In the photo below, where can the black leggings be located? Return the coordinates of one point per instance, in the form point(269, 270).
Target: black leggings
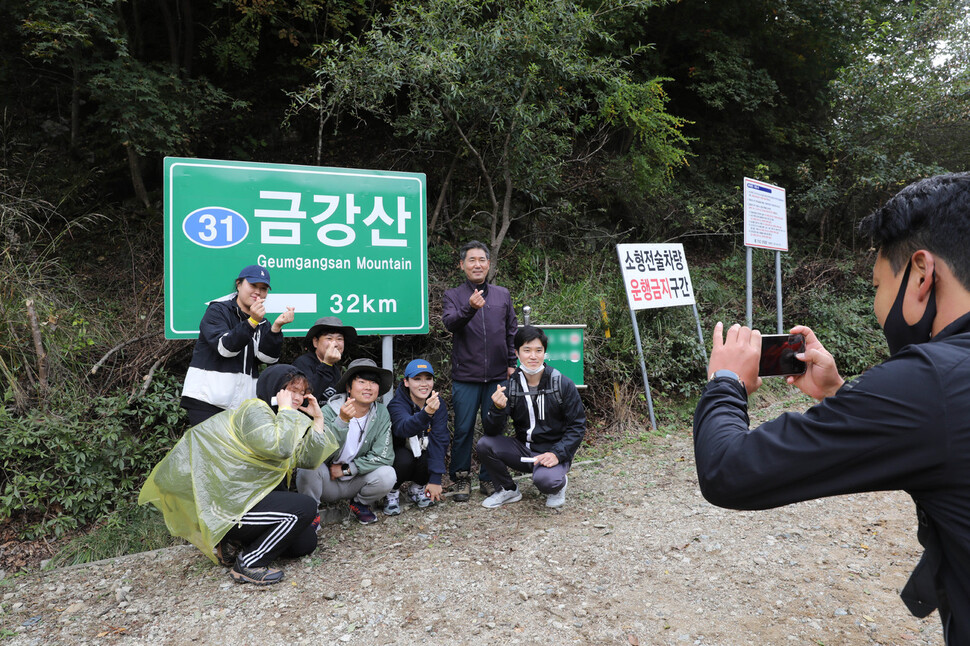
point(409, 468)
point(278, 525)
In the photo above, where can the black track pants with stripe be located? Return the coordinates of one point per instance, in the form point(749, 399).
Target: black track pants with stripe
point(279, 525)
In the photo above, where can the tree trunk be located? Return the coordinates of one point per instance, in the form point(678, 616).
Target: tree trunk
point(137, 182)
point(188, 36)
point(75, 104)
point(498, 236)
point(173, 48)
point(41, 354)
point(441, 194)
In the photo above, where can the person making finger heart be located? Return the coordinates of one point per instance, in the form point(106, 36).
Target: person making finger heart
point(549, 421)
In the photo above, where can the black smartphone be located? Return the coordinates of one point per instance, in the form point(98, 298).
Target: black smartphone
point(778, 355)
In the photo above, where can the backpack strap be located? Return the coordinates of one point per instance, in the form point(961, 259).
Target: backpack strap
point(555, 378)
point(514, 390)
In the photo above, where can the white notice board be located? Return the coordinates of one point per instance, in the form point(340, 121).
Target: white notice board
point(655, 275)
point(765, 216)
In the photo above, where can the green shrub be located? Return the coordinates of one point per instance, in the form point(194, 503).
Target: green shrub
point(77, 461)
point(127, 530)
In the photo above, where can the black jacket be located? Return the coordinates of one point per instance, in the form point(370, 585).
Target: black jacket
point(904, 424)
point(559, 428)
point(322, 377)
point(407, 420)
point(224, 366)
point(482, 339)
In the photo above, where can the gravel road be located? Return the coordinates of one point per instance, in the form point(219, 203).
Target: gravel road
point(635, 557)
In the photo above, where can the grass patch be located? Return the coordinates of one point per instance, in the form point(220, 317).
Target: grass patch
point(127, 530)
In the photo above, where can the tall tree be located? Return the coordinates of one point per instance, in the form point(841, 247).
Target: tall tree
point(753, 79)
point(512, 89)
point(902, 108)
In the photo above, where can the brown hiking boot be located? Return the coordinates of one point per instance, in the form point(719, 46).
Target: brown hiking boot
point(463, 487)
point(486, 488)
point(226, 552)
point(255, 575)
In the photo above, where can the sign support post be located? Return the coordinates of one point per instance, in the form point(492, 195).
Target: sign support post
point(387, 362)
point(643, 368)
point(778, 288)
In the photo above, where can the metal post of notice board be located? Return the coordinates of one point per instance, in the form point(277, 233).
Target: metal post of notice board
point(643, 368)
point(700, 334)
point(778, 307)
point(747, 287)
point(778, 288)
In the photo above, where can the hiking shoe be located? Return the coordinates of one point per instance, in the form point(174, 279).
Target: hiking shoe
point(315, 523)
point(559, 498)
point(255, 575)
point(462, 488)
point(418, 497)
point(486, 488)
point(393, 505)
point(226, 552)
point(363, 513)
point(501, 497)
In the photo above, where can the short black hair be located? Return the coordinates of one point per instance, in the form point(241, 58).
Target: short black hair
point(474, 244)
point(931, 214)
point(528, 333)
point(366, 375)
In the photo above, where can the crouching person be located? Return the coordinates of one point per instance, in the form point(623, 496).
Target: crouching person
point(360, 470)
point(419, 424)
point(549, 422)
point(222, 487)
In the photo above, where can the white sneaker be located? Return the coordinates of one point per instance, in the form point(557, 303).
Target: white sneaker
point(501, 497)
point(393, 506)
point(557, 499)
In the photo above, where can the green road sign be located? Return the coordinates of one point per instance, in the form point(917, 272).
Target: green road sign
point(336, 241)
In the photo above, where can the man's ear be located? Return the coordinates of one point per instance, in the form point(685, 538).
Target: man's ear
point(924, 269)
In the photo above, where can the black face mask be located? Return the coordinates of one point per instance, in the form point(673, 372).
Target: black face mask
point(898, 332)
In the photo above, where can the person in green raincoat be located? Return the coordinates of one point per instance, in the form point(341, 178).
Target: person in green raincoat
point(225, 482)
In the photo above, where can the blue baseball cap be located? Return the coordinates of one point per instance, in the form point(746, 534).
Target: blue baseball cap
point(255, 274)
point(418, 366)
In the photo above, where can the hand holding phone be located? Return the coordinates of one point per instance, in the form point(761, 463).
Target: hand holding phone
point(778, 355)
point(821, 378)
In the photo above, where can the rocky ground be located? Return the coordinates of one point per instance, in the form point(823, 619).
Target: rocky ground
point(635, 557)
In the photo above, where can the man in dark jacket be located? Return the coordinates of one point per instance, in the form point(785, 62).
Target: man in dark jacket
point(549, 421)
point(482, 321)
point(904, 424)
point(326, 343)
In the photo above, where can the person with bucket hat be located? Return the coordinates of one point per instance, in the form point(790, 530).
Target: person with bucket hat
point(419, 425)
point(325, 343)
point(234, 337)
point(360, 470)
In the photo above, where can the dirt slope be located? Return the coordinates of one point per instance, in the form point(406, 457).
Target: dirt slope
point(635, 557)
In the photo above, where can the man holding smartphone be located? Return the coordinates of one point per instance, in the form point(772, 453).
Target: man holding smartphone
point(904, 424)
